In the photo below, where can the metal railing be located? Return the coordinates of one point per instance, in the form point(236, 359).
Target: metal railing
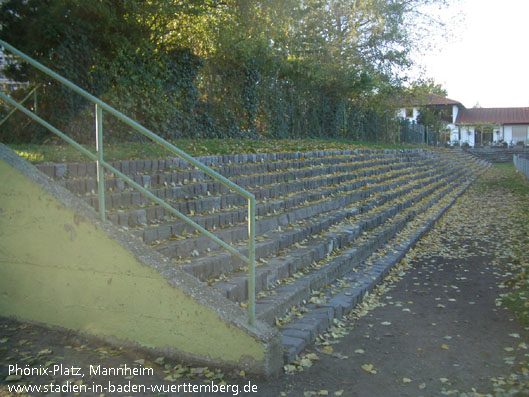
point(102, 164)
point(521, 163)
point(33, 92)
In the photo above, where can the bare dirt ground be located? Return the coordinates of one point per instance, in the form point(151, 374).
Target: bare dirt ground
point(436, 326)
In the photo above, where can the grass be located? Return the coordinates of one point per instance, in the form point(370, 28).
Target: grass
point(146, 150)
point(515, 187)
point(511, 180)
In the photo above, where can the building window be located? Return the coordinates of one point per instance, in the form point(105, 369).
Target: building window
point(409, 113)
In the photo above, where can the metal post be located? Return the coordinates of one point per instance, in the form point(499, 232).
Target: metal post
point(102, 165)
point(100, 169)
point(35, 102)
point(251, 258)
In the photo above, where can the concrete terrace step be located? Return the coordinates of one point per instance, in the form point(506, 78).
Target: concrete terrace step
point(209, 199)
point(320, 216)
point(315, 249)
point(497, 154)
point(184, 189)
point(175, 171)
point(278, 213)
point(133, 167)
point(212, 201)
point(364, 166)
point(323, 273)
point(319, 313)
point(314, 223)
point(196, 198)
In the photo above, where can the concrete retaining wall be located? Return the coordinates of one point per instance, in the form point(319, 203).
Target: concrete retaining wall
point(61, 267)
point(497, 155)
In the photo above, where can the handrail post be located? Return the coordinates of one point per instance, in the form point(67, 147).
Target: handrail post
point(100, 169)
point(102, 165)
point(35, 102)
point(251, 259)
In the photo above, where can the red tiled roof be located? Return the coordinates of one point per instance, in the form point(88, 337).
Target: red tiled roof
point(433, 99)
point(428, 100)
point(493, 115)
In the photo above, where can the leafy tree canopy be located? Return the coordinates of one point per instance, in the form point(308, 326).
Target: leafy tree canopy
point(220, 68)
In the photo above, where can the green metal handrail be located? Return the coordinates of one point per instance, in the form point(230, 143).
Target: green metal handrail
point(102, 164)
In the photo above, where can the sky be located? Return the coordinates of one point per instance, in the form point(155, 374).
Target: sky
point(488, 61)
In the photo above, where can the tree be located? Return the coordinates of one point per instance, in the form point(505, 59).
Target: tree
point(103, 47)
point(222, 67)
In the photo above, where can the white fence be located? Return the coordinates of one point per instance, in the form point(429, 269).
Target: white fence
point(522, 164)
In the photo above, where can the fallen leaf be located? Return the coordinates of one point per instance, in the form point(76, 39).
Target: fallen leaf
point(327, 349)
point(369, 368)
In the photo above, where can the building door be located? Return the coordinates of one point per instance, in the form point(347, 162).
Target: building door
point(477, 138)
point(519, 133)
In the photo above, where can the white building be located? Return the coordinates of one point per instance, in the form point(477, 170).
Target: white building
point(477, 126)
point(485, 126)
point(447, 108)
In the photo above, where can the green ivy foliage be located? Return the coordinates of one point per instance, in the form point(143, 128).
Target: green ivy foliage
point(212, 69)
point(101, 48)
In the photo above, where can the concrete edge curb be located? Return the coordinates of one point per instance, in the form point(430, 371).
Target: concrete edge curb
point(299, 334)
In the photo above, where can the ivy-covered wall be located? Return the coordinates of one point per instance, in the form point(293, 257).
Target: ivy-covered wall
point(233, 68)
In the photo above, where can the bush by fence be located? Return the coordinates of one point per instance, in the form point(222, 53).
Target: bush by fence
point(208, 70)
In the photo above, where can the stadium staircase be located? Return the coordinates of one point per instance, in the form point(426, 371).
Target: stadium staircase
point(320, 218)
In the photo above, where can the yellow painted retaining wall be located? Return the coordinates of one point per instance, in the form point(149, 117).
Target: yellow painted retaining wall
point(60, 269)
